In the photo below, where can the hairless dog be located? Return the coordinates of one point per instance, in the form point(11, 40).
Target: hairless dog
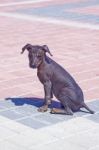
point(56, 80)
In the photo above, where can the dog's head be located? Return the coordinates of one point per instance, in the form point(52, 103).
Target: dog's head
point(36, 54)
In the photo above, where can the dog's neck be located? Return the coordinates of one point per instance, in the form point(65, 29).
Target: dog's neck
point(43, 64)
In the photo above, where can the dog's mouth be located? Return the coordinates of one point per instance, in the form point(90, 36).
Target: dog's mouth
point(33, 66)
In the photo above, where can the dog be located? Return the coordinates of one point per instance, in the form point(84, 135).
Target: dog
point(56, 81)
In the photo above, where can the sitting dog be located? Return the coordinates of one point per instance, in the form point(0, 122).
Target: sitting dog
point(56, 80)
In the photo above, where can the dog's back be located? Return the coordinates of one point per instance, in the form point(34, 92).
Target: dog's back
point(61, 80)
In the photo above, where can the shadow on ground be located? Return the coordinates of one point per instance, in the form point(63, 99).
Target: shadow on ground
point(37, 102)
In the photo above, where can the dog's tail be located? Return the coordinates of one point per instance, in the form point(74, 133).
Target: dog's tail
point(86, 107)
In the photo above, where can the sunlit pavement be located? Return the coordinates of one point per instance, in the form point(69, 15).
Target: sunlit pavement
point(70, 28)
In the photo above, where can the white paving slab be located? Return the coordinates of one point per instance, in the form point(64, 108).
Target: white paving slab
point(5, 145)
point(79, 133)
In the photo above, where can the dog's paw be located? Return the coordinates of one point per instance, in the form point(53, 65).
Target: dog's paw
point(57, 111)
point(60, 111)
point(53, 111)
point(43, 108)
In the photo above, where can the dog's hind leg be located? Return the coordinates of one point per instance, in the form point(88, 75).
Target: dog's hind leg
point(66, 111)
point(86, 107)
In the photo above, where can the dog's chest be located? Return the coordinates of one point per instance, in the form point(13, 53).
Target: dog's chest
point(42, 75)
point(45, 73)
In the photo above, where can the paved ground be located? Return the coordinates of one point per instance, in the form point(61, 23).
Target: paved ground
point(70, 28)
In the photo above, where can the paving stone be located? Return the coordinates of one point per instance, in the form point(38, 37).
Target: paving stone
point(87, 139)
point(32, 139)
point(47, 118)
point(14, 126)
point(94, 102)
point(6, 104)
point(11, 114)
point(27, 110)
point(69, 128)
point(1, 107)
point(95, 148)
point(94, 105)
point(62, 117)
point(83, 112)
point(6, 145)
point(33, 123)
point(5, 133)
point(59, 145)
point(3, 120)
point(94, 117)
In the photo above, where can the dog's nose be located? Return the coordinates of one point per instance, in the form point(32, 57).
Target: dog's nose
point(32, 66)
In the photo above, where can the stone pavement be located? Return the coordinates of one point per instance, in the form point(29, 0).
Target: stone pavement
point(70, 28)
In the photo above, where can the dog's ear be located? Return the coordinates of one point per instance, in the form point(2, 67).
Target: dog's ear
point(27, 46)
point(46, 49)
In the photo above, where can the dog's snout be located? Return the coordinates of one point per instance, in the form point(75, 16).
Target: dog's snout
point(32, 61)
point(32, 66)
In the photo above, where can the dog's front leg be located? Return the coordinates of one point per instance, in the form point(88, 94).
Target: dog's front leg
point(48, 95)
point(48, 92)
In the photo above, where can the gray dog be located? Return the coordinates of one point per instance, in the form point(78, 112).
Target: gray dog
point(56, 81)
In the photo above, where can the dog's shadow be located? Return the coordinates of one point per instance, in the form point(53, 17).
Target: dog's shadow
point(34, 101)
point(37, 102)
